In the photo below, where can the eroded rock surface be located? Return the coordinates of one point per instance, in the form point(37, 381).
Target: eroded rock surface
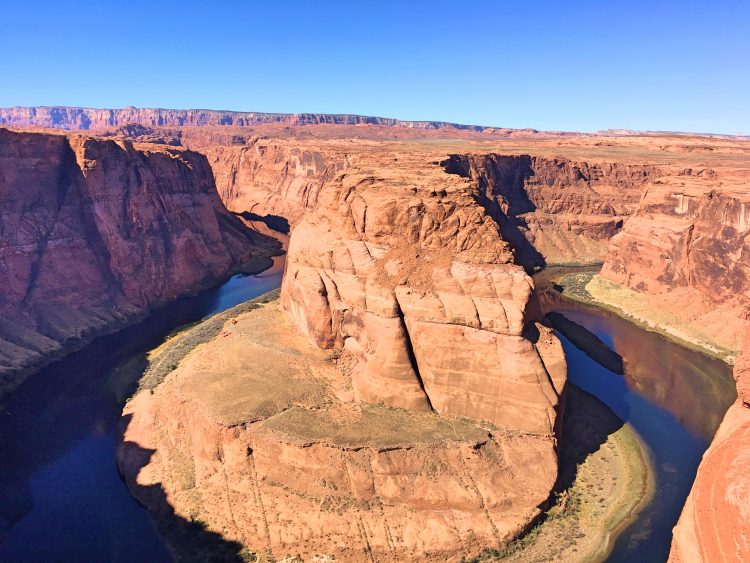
point(408, 272)
point(555, 210)
point(259, 435)
point(94, 233)
point(688, 247)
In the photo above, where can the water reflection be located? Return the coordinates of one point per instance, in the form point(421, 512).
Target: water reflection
point(674, 398)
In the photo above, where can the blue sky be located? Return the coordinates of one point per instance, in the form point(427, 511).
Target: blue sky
point(577, 65)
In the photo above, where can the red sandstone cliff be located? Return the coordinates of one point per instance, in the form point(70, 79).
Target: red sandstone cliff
point(688, 245)
point(276, 178)
point(94, 233)
point(555, 210)
point(399, 271)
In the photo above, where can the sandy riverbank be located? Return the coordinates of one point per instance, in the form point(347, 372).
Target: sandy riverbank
point(605, 480)
point(649, 312)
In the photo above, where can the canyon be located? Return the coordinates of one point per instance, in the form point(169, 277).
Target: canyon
point(715, 523)
point(406, 307)
point(95, 233)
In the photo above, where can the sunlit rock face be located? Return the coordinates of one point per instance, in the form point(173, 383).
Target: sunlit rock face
point(688, 244)
point(95, 233)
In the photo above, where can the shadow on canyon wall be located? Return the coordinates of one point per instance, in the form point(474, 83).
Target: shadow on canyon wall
point(191, 540)
point(502, 192)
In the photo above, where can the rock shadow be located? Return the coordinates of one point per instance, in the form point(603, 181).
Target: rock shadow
point(587, 424)
point(587, 342)
point(274, 222)
point(501, 182)
point(190, 540)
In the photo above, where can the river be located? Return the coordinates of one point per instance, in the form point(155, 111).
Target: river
point(673, 397)
point(63, 499)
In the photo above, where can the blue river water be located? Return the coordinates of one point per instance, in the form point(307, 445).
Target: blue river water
point(62, 497)
point(673, 397)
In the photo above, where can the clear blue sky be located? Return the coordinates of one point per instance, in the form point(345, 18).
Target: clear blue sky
point(575, 65)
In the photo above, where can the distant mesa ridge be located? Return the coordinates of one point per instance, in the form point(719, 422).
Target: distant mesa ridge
point(62, 117)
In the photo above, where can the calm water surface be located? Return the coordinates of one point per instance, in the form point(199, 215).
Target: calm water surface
point(61, 498)
point(673, 397)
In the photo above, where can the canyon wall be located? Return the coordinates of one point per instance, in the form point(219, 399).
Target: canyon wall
point(414, 279)
point(95, 233)
point(63, 117)
point(555, 210)
point(273, 178)
point(715, 522)
point(688, 246)
point(402, 312)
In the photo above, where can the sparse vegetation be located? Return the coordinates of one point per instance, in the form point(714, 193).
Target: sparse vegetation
point(166, 358)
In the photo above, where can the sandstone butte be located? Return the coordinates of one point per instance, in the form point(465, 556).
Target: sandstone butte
point(405, 261)
point(95, 233)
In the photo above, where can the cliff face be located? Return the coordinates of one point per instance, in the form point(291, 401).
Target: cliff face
point(399, 272)
point(63, 117)
point(688, 244)
point(273, 178)
point(555, 210)
point(715, 522)
point(94, 233)
point(259, 435)
point(408, 273)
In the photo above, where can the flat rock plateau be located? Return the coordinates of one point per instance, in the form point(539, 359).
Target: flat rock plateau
point(403, 398)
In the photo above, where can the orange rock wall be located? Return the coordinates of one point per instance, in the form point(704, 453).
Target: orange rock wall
point(94, 233)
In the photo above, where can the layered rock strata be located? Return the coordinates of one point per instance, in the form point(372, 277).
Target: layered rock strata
point(687, 249)
point(64, 117)
point(258, 435)
point(414, 280)
point(272, 178)
point(555, 210)
point(403, 277)
point(715, 522)
point(95, 233)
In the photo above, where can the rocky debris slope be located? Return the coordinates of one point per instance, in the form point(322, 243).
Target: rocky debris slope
point(687, 249)
point(95, 233)
point(715, 522)
point(258, 435)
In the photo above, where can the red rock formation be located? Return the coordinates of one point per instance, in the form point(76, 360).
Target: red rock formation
point(555, 210)
point(96, 119)
point(416, 282)
point(715, 523)
point(689, 243)
point(257, 435)
point(95, 233)
point(273, 178)
point(399, 270)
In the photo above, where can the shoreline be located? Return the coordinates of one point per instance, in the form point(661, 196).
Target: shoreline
point(17, 376)
point(577, 286)
point(598, 495)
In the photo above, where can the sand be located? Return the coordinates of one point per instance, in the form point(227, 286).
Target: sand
point(605, 480)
